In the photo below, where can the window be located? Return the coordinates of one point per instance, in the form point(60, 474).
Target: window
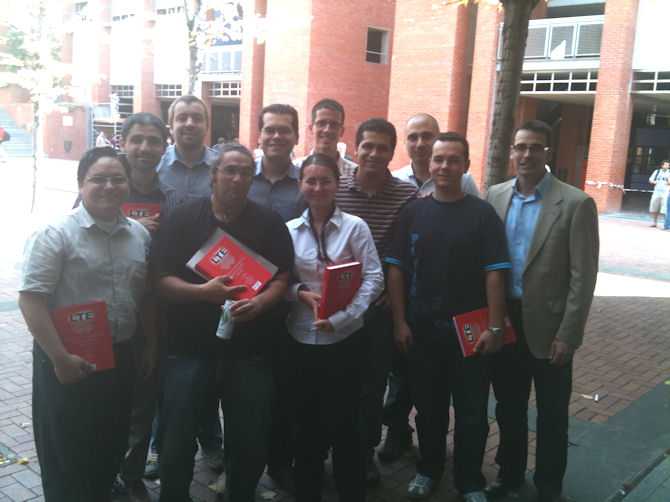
point(376, 47)
point(226, 89)
point(222, 60)
point(168, 90)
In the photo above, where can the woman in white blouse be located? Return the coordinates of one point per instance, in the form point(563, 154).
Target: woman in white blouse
point(324, 355)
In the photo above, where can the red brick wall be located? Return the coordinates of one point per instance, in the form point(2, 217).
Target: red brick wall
point(337, 67)
point(482, 89)
point(100, 90)
point(429, 72)
point(572, 136)
point(613, 105)
point(253, 65)
point(144, 99)
point(56, 134)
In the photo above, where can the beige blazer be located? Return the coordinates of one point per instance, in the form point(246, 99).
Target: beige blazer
point(561, 266)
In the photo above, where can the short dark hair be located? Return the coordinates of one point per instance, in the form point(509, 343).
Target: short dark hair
point(536, 126)
point(455, 136)
point(664, 161)
point(230, 147)
point(321, 159)
point(330, 104)
point(144, 118)
point(279, 109)
point(377, 125)
point(187, 99)
point(91, 156)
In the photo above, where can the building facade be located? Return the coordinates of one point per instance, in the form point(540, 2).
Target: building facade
point(596, 71)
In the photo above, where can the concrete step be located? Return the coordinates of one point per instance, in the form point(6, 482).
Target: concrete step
point(21, 142)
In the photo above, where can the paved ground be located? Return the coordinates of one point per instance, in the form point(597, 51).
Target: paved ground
point(619, 441)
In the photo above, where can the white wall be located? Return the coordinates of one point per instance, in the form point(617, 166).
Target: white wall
point(651, 38)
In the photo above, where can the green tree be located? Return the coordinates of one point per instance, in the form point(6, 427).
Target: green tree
point(30, 59)
point(203, 32)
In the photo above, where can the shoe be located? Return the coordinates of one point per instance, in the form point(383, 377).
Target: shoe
point(421, 486)
point(499, 488)
point(214, 458)
point(151, 469)
point(478, 496)
point(548, 497)
point(136, 491)
point(372, 475)
point(394, 446)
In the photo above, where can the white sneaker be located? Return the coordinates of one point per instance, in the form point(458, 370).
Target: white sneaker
point(479, 496)
point(420, 487)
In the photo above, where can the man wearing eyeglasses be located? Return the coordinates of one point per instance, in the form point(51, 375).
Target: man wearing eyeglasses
point(327, 127)
point(552, 238)
point(198, 364)
point(275, 184)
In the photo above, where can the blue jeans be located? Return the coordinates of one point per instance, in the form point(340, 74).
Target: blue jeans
point(398, 401)
point(438, 370)
point(513, 370)
point(245, 386)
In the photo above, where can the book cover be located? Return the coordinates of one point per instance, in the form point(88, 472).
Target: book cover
point(137, 210)
point(84, 330)
point(340, 284)
point(469, 327)
point(222, 254)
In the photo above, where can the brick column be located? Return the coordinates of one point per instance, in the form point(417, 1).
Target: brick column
point(429, 72)
point(482, 89)
point(253, 64)
point(144, 99)
point(100, 90)
point(613, 109)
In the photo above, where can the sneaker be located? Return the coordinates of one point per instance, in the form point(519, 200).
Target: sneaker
point(478, 496)
point(420, 487)
point(394, 446)
point(214, 458)
point(372, 475)
point(151, 469)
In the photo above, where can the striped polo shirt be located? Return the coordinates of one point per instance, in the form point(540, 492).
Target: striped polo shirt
point(379, 211)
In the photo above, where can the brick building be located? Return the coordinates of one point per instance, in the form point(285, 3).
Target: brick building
point(596, 70)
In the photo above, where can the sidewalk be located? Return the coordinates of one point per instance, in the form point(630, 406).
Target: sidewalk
point(618, 443)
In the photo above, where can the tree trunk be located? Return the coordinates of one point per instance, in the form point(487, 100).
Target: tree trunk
point(515, 32)
point(37, 148)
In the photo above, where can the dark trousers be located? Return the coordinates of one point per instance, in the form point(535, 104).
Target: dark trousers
point(325, 385)
point(398, 402)
point(280, 452)
point(81, 429)
point(513, 370)
point(436, 371)
point(377, 339)
point(245, 386)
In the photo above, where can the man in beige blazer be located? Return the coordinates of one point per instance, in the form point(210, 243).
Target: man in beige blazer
point(552, 238)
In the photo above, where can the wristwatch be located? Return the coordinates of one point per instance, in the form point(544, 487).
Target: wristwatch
point(496, 331)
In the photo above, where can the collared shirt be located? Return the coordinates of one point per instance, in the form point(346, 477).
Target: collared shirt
point(190, 182)
point(347, 238)
point(76, 261)
point(519, 226)
point(379, 211)
point(407, 174)
point(283, 196)
point(344, 165)
point(157, 193)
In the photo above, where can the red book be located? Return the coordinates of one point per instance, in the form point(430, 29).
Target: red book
point(84, 330)
point(222, 254)
point(340, 284)
point(472, 324)
point(137, 210)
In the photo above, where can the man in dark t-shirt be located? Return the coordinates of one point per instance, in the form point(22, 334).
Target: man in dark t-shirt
point(447, 257)
point(239, 370)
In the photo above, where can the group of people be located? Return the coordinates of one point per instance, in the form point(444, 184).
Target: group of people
point(293, 386)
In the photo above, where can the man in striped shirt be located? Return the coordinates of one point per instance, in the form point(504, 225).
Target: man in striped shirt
point(374, 195)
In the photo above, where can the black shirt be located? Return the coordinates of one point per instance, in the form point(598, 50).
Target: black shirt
point(191, 326)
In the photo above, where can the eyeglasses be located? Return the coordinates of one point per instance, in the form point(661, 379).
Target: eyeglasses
point(242, 172)
point(271, 131)
point(534, 148)
point(323, 123)
point(102, 180)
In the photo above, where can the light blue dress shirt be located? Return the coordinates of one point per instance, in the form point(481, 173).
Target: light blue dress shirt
point(519, 226)
point(190, 182)
point(283, 196)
